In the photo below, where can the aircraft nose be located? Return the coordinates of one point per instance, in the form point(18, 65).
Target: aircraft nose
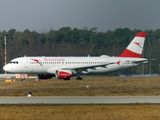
point(11, 68)
point(6, 68)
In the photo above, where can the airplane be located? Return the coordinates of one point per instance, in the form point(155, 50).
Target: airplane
point(66, 67)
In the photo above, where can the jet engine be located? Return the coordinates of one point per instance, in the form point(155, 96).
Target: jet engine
point(45, 76)
point(63, 74)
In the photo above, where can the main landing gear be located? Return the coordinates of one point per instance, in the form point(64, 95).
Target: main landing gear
point(78, 72)
point(79, 78)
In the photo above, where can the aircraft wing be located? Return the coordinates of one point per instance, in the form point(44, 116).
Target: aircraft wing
point(87, 67)
point(78, 68)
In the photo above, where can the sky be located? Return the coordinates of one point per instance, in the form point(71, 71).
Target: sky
point(43, 15)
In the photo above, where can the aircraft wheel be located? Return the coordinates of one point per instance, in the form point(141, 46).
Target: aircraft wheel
point(23, 80)
point(79, 78)
point(66, 79)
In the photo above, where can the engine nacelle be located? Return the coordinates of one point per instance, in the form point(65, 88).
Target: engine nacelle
point(63, 74)
point(45, 76)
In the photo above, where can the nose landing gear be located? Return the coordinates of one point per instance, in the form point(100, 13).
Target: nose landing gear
point(23, 77)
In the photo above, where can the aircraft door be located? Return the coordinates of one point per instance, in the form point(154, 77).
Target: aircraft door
point(26, 62)
point(64, 63)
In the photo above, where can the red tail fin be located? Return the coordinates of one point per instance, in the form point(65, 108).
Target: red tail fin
point(135, 48)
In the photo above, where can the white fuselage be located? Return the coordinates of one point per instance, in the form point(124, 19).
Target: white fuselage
point(49, 65)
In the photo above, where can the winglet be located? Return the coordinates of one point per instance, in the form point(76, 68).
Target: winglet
point(135, 48)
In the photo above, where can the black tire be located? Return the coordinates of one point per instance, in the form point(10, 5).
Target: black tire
point(67, 79)
point(79, 78)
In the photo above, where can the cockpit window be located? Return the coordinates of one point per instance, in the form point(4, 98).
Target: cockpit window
point(13, 62)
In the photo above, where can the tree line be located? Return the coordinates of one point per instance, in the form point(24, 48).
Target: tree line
point(80, 42)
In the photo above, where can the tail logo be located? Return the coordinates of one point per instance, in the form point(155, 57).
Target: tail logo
point(138, 44)
point(37, 61)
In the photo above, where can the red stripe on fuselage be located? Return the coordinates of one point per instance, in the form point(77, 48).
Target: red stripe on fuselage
point(128, 53)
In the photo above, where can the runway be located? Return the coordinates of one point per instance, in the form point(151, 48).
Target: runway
point(82, 100)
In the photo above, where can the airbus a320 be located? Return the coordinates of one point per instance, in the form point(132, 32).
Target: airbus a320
point(66, 67)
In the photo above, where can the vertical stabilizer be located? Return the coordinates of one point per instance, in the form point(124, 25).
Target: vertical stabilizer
point(135, 48)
